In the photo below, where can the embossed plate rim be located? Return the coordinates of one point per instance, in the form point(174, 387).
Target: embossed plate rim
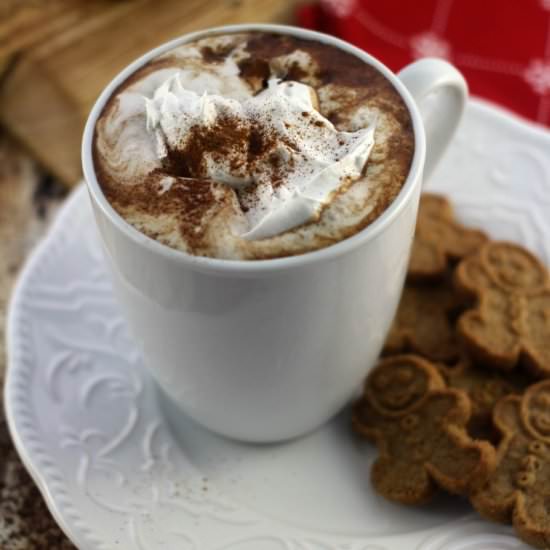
point(38, 467)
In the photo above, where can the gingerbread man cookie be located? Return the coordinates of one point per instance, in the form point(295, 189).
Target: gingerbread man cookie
point(418, 426)
point(485, 387)
point(439, 239)
point(423, 322)
point(518, 491)
point(510, 323)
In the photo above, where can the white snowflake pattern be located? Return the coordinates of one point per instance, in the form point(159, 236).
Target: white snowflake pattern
point(537, 75)
point(340, 8)
point(545, 4)
point(429, 44)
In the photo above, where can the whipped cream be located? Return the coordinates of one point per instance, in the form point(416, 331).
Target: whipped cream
point(302, 163)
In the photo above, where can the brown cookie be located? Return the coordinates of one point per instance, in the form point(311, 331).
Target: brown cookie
point(510, 322)
point(485, 387)
point(418, 425)
point(439, 239)
point(423, 322)
point(518, 491)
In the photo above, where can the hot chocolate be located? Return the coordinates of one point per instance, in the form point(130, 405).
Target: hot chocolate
point(253, 146)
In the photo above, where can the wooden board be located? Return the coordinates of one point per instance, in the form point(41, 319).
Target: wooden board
point(57, 55)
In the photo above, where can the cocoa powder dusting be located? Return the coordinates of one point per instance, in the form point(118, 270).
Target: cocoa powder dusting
point(194, 198)
point(225, 138)
point(350, 82)
point(256, 143)
point(229, 140)
point(247, 198)
point(188, 200)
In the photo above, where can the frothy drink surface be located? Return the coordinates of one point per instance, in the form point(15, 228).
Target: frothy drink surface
point(253, 146)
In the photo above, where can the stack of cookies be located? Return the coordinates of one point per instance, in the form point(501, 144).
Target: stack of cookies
point(461, 400)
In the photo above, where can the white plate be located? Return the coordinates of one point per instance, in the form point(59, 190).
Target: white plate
point(119, 468)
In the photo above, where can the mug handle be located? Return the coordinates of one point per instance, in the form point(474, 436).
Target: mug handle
point(442, 111)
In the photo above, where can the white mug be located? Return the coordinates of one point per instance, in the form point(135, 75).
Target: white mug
point(267, 350)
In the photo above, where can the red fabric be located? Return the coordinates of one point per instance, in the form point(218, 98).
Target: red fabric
point(501, 46)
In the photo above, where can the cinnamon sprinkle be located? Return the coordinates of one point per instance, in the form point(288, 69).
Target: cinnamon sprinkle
point(192, 198)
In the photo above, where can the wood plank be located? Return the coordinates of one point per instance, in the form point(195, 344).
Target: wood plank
point(25, 23)
point(44, 118)
point(46, 97)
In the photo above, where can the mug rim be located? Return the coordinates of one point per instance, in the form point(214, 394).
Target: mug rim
point(220, 265)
